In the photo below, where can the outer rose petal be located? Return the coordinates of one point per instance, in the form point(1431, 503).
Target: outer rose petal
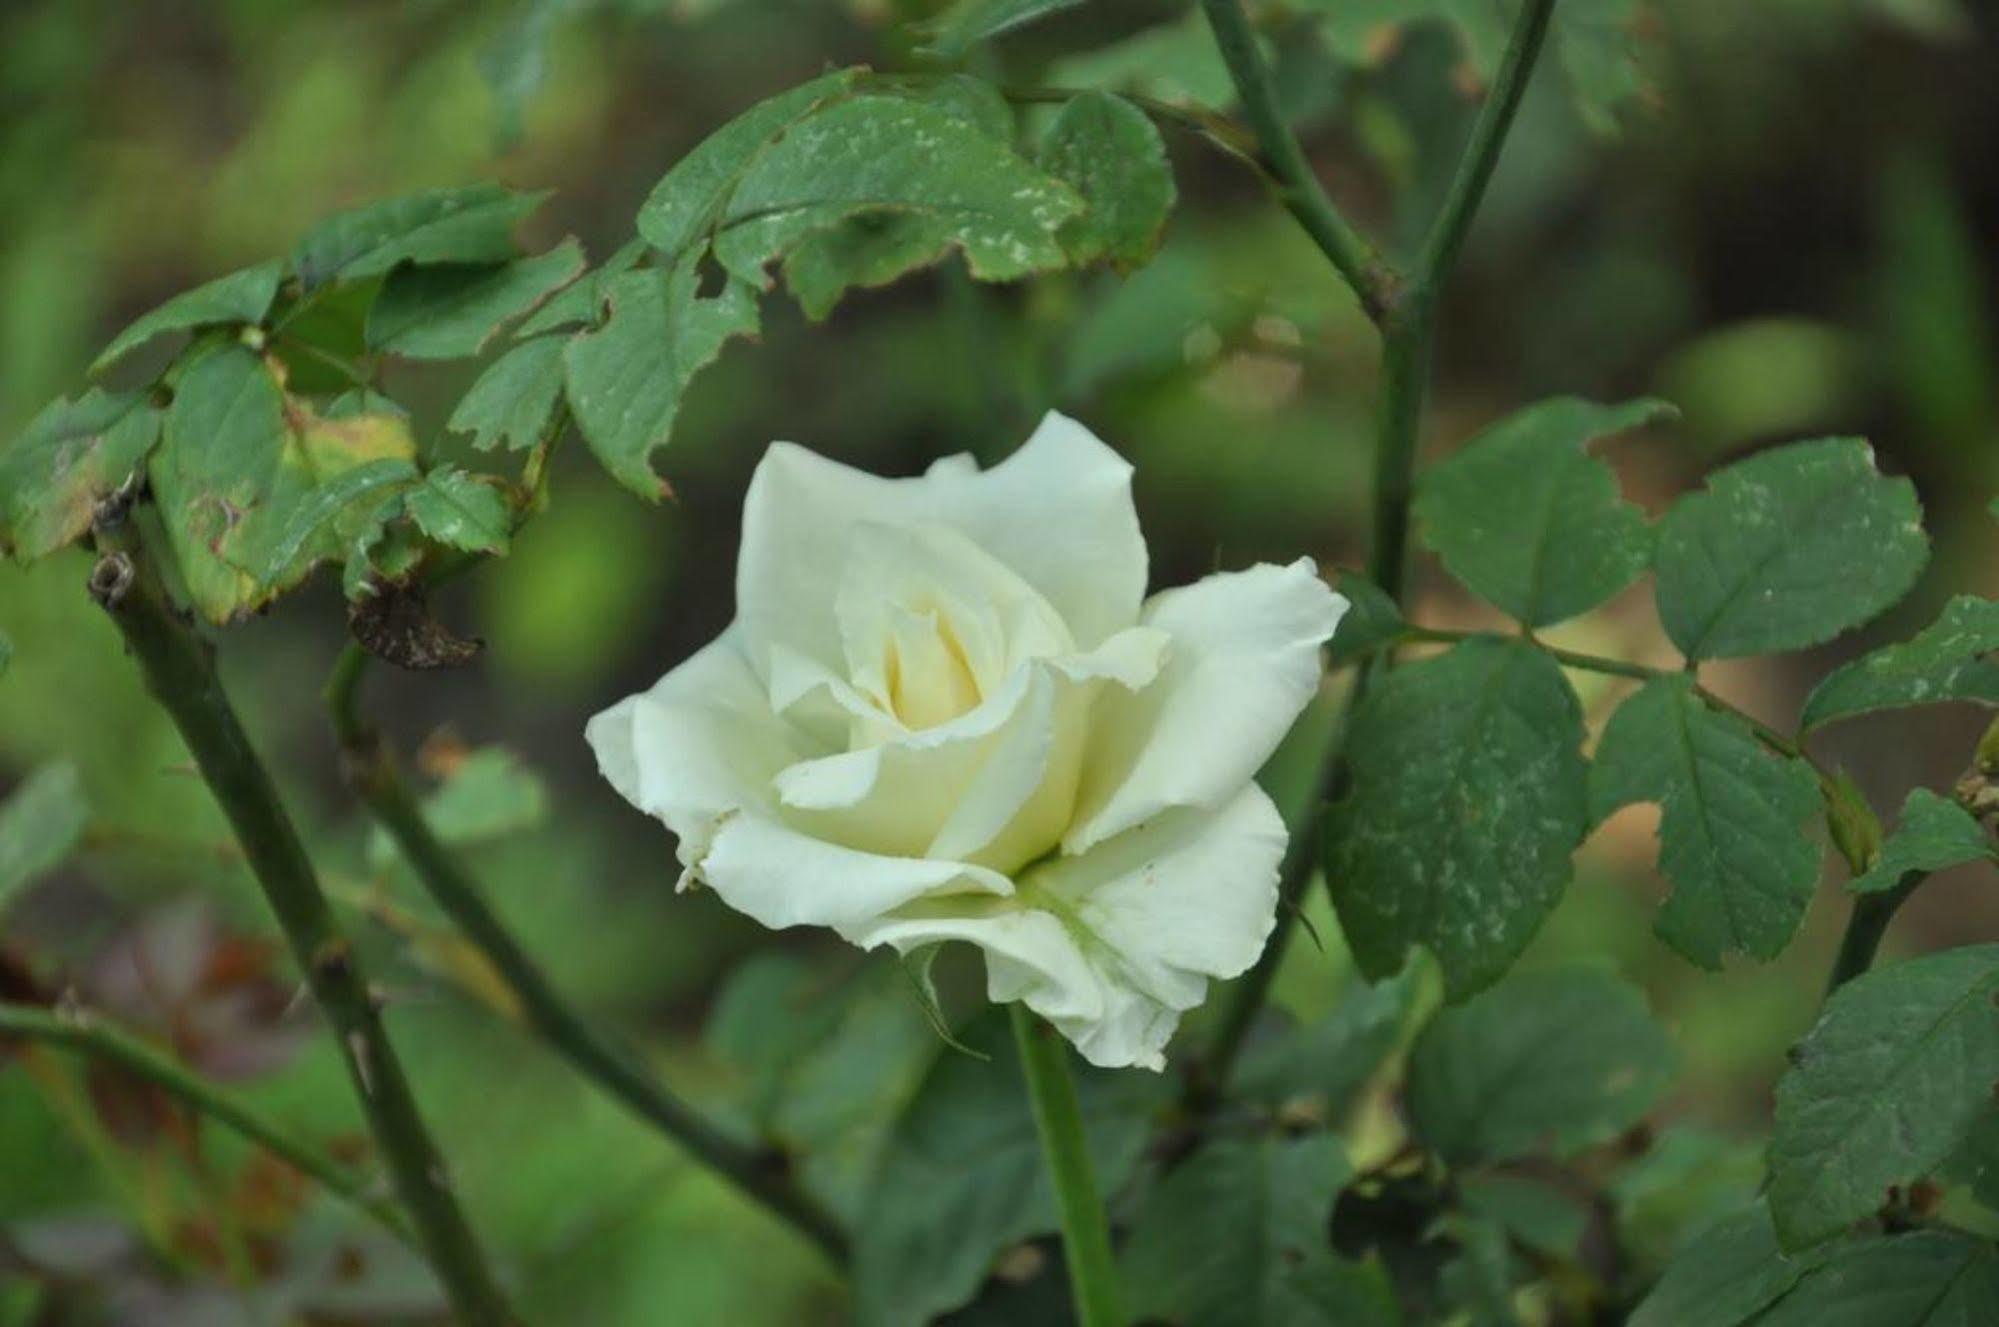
point(1113, 946)
point(1244, 661)
point(784, 878)
point(1058, 512)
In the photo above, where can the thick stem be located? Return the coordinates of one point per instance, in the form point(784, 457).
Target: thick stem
point(372, 768)
point(81, 1031)
point(1865, 927)
point(180, 673)
point(1086, 1236)
point(1298, 187)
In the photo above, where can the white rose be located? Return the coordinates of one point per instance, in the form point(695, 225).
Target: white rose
point(946, 711)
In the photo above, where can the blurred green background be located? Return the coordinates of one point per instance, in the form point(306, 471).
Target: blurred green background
point(1791, 232)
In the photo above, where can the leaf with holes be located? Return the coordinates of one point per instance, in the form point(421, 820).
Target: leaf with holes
point(1949, 660)
point(1533, 523)
point(1544, 1061)
point(1732, 835)
point(1468, 796)
point(1787, 549)
point(1885, 1087)
point(625, 380)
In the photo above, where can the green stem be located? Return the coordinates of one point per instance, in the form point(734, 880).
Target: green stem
point(82, 1031)
point(179, 670)
point(1865, 927)
point(1298, 187)
point(762, 1175)
point(1481, 154)
point(1086, 1236)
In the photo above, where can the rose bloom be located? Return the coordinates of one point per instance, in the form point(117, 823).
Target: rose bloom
point(946, 711)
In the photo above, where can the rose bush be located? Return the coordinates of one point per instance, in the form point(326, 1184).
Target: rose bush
point(946, 711)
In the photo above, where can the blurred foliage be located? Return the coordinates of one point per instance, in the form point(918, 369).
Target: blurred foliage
point(1791, 233)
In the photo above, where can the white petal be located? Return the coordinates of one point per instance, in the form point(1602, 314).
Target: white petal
point(701, 744)
point(782, 877)
point(1058, 512)
point(1242, 665)
point(1113, 946)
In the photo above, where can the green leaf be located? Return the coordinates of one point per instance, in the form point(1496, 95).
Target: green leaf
point(1931, 1278)
point(461, 510)
point(514, 400)
point(1787, 549)
point(1327, 1063)
point(1727, 1274)
point(1174, 62)
point(582, 303)
point(1533, 1213)
point(1371, 621)
point(1238, 1235)
point(69, 458)
point(255, 489)
point(686, 204)
point(488, 794)
point(1467, 798)
point(967, 23)
point(474, 224)
point(954, 186)
point(1949, 660)
point(1732, 835)
point(1934, 833)
point(962, 1177)
point(1883, 1089)
point(1108, 151)
point(41, 822)
point(1533, 523)
point(452, 311)
point(1556, 1061)
point(625, 379)
point(240, 297)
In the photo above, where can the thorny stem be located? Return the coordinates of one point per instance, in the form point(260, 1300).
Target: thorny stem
point(1058, 1119)
point(180, 672)
point(83, 1031)
point(372, 769)
point(1403, 308)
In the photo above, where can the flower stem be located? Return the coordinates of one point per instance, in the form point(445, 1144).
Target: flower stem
point(372, 769)
point(1086, 1237)
point(83, 1031)
point(1866, 926)
point(179, 670)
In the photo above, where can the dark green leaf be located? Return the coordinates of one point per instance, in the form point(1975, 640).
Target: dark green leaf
point(1951, 659)
point(1468, 796)
point(452, 310)
point(474, 224)
point(461, 510)
point(1533, 523)
point(1732, 835)
point(514, 400)
point(1884, 1088)
point(686, 205)
point(962, 1178)
point(1174, 62)
point(1787, 549)
point(873, 154)
point(1554, 1061)
point(1726, 1275)
point(625, 379)
point(69, 457)
point(307, 521)
point(1327, 1063)
point(1934, 833)
point(1931, 1278)
point(1371, 621)
point(1108, 151)
point(1533, 1213)
point(240, 297)
point(582, 303)
point(969, 22)
point(40, 823)
point(1238, 1235)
